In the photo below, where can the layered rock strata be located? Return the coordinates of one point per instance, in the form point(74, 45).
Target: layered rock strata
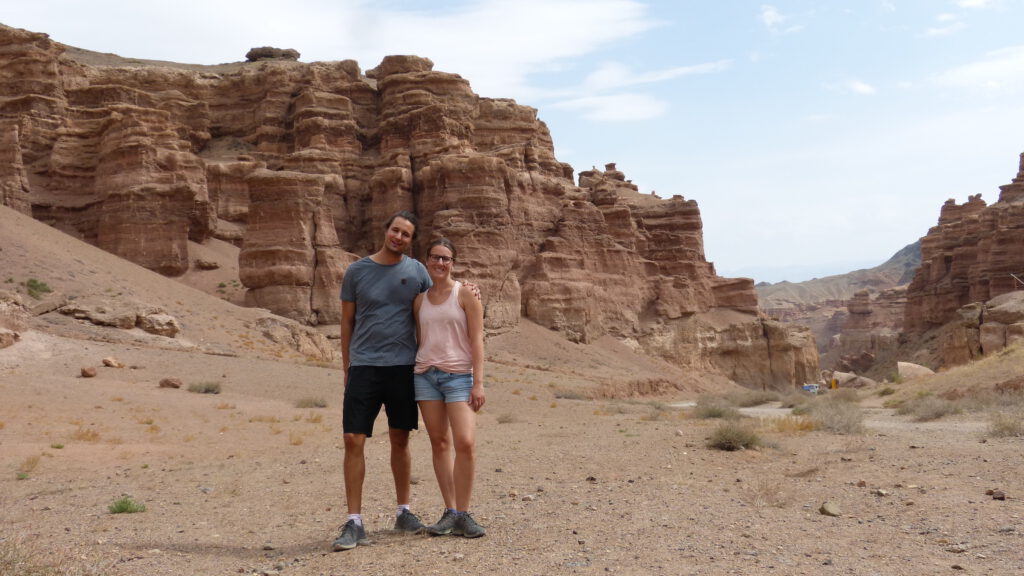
point(974, 254)
point(301, 164)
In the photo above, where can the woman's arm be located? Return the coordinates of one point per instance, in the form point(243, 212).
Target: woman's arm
point(475, 325)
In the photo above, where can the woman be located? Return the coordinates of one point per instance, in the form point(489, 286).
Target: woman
point(450, 384)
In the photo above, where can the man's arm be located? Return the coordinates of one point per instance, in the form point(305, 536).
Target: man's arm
point(348, 324)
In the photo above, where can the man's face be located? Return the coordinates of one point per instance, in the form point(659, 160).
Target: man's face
point(399, 235)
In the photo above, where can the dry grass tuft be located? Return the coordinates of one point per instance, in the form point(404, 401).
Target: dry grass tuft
point(748, 398)
point(506, 418)
point(927, 407)
point(837, 415)
point(311, 403)
point(85, 434)
point(20, 558)
point(1006, 425)
point(715, 407)
point(793, 424)
point(767, 493)
point(732, 435)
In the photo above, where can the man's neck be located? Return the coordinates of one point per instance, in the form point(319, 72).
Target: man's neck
point(386, 257)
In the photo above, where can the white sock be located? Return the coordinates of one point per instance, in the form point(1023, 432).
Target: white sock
point(357, 517)
point(401, 508)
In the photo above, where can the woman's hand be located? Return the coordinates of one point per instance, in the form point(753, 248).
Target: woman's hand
point(477, 398)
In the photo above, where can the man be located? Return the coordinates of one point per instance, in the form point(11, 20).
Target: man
point(378, 348)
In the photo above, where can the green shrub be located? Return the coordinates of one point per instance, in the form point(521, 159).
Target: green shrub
point(125, 505)
point(36, 289)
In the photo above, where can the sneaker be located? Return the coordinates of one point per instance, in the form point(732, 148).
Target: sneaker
point(444, 525)
point(408, 522)
point(466, 526)
point(351, 534)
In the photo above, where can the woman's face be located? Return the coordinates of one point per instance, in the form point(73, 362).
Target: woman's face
point(439, 262)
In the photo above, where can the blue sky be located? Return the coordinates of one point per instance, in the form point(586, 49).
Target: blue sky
point(818, 137)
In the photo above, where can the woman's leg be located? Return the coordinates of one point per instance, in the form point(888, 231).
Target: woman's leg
point(463, 426)
point(435, 418)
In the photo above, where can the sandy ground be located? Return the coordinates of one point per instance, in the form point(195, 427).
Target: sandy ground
point(246, 482)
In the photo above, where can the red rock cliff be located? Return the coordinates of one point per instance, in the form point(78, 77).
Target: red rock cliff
point(301, 164)
point(971, 256)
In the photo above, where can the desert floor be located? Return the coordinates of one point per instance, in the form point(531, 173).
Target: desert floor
point(576, 474)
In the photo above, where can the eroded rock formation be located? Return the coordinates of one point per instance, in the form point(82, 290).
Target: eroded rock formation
point(301, 164)
point(972, 255)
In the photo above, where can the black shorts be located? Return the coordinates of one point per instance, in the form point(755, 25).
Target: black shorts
point(369, 388)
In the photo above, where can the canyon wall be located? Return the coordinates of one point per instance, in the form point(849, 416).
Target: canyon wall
point(300, 165)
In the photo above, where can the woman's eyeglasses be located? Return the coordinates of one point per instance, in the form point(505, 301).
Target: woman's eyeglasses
point(441, 259)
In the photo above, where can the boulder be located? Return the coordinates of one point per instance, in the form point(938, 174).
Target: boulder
point(909, 370)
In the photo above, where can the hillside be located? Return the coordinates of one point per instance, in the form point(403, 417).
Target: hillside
point(896, 271)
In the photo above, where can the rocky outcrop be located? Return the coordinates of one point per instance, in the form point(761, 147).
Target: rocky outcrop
point(871, 330)
point(983, 328)
point(972, 255)
point(301, 164)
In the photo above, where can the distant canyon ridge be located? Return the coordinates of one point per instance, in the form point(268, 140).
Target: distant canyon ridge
point(300, 164)
point(953, 296)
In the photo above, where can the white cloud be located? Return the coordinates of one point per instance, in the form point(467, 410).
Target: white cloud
point(615, 107)
point(773, 20)
point(974, 3)
point(943, 30)
point(611, 75)
point(852, 86)
point(1000, 71)
point(771, 16)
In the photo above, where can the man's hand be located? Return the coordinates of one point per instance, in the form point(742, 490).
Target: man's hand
point(472, 288)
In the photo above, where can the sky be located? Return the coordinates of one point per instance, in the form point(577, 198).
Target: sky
point(817, 137)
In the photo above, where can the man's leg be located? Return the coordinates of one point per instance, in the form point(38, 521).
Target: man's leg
point(401, 463)
point(355, 471)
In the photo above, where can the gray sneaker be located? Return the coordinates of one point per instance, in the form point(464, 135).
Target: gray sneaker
point(351, 534)
point(466, 526)
point(444, 525)
point(408, 522)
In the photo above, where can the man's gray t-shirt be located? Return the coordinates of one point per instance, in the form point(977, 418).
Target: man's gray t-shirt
point(385, 328)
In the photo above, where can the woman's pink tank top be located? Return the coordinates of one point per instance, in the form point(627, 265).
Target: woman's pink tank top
point(444, 336)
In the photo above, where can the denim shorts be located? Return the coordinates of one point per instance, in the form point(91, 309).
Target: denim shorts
point(437, 384)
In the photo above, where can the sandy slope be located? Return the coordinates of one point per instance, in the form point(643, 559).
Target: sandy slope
point(245, 482)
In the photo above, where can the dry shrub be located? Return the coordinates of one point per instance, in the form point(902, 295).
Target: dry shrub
point(715, 407)
point(28, 464)
point(795, 424)
point(21, 558)
point(838, 415)
point(295, 439)
point(569, 394)
point(927, 407)
point(311, 403)
point(732, 435)
point(844, 395)
point(314, 418)
point(765, 492)
point(1011, 386)
point(748, 398)
point(506, 418)
point(661, 413)
point(85, 434)
point(205, 387)
point(1006, 425)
